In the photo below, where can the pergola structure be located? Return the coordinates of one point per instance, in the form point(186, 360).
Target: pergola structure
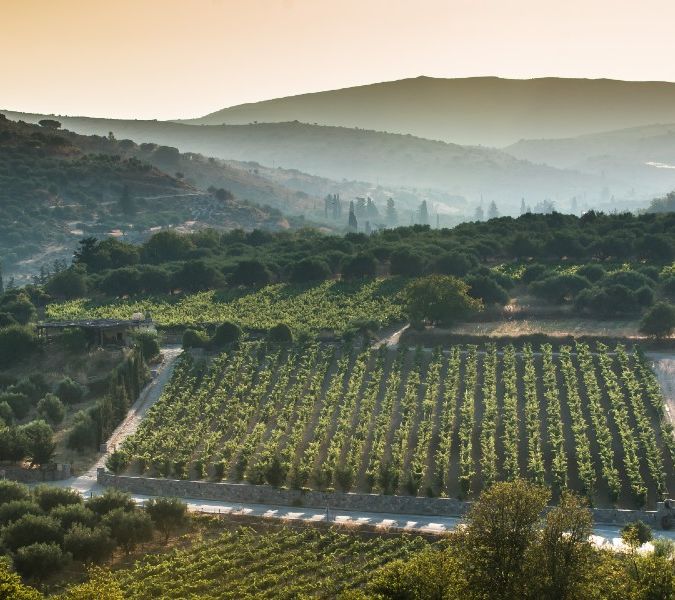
point(99, 331)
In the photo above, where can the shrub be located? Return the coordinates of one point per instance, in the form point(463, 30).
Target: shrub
point(14, 510)
point(83, 435)
point(40, 444)
point(13, 444)
point(148, 343)
point(559, 288)
point(70, 391)
point(250, 273)
point(280, 334)
point(52, 409)
point(18, 403)
point(359, 267)
point(31, 529)
point(193, 338)
point(6, 413)
point(659, 321)
point(12, 490)
point(40, 560)
point(593, 272)
point(110, 500)
point(226, 333)
point(455, 263)
point(129, 528)
point(535, 273)
point(438, 299)
point(167, 514)
point(487, 290)
point(73, 340)
point(49, 497)
point(310, 269)
point(16, 344)
point(90, 545)
point(71, 514)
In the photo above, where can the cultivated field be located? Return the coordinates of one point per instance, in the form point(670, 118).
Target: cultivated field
point(282, 563)
point(441, 423)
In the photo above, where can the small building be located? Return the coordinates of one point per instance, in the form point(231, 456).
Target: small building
point(99, 332)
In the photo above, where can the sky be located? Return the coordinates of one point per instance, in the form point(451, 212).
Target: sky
point(169, 59)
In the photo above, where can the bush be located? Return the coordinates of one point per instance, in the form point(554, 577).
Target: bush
point(18, 403)
point(359, 267)
point(148, 343)
point(40, 444)
point(31, 529)
point(535, 273)
point(12, 490)
point(226, 333)
point(280, 334)
point(71, 514)
point(83, 434)
point(16, 344)
point(49, 497)
point(559, 288)
point(455, 263)
point(13, 444)
point(406, 262)
point(129, 528)
point(68, 284)
point(90, 545)
point(167, 514)
point(194, 338)
point(659, 321)
point(52, 409)
point(440, 299)
point(6, 413)
point(310, 269)
point(110, 500)
point(250, 273)
point(40, 559)
point(70, 391)
point(14, 510)
point(592, 272)
point(487, 290)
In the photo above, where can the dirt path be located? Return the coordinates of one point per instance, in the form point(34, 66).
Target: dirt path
point(148, 396)
point(391, 337)
point(663, 364)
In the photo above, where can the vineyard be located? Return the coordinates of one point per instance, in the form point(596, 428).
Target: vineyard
point(414, 421)
point(286, 563)
point(329, 305)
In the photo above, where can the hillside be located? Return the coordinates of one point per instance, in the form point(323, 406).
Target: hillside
point(477, 110)
point(56, 186)
point(643, 157)
point(341, 153)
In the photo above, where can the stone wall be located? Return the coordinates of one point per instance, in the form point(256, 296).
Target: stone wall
point(50, 473)
point(377, 503)
point(263, 494)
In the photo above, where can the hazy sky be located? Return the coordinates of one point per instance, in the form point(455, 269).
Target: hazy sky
point(184, 58)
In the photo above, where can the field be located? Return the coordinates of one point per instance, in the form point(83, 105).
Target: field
point(329, 305)
point(441, 423)
point(282, 563)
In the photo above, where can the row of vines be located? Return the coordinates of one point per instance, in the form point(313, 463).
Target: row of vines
point(417, 422)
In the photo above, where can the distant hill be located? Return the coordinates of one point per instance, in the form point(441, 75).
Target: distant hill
point(640, 157)
point(477, 110)
point(57, 186)
point(361, 155)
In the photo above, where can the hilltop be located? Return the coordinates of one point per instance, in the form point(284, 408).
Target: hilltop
point(476, 110)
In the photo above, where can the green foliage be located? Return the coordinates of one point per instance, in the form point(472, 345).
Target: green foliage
point(194, 338)
point(52, 409)
point(12, 588)
point(167, 514)
point(70, 283)
point(148, 343)
point(89, 544)
point(40, 444)
point(128, 528)
point(49, 497)
point(17, 343)
point(281, 333)
point(111, 499)
point(69, 391)
point(438, 299)
point(659, 321)
point(31, 529)
point(71, 514)
point(40, 560)
point(225, 334)
point(83, 432)
point(15, 509)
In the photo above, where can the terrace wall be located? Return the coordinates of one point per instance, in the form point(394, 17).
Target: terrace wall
point(377, 503)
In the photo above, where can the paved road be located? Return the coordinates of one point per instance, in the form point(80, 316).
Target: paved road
point(664, 367)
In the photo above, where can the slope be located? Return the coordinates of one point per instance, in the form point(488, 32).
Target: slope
point(476, 110)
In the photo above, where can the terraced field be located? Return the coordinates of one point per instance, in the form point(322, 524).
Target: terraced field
point(406, 421)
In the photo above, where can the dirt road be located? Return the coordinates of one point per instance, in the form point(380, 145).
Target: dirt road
point(664, 367)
